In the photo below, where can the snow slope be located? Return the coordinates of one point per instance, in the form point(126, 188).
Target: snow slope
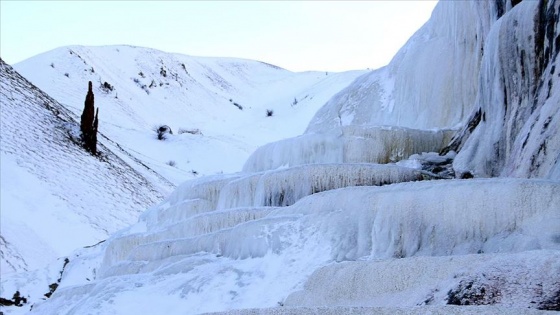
point(153, 88)
point(55, 196)
point(192, 93)
point(313, 226)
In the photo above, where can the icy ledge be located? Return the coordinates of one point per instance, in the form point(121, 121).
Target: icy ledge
point(514, 222)
point(348, 144)
point(203, 213)
point(430, 219)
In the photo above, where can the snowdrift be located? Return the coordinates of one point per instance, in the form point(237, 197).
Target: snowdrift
point(349, 310)
point(512, 279)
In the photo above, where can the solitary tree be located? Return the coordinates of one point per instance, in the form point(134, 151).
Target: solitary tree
point(89, 122)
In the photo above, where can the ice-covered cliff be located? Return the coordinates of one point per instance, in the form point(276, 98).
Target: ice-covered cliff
point(430, 83)
point(490, 73)
point(518, 101)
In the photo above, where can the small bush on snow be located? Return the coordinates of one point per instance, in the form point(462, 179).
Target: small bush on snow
point(162, 131)
point(238, 105)
point(107, 87)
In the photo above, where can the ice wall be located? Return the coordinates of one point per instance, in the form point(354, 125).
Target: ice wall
point(430, 83)
point(286, 186)
point(438, 218)
point(519, 97)
point(349, 144)
point(401, 220)
point(201, 215)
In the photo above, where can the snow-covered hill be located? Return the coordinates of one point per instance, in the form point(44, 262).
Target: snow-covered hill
point(314, 225)
point(199, 98)
point(55, 196)
point(149, 88)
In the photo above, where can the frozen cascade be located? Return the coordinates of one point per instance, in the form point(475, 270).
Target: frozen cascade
point(349, 144)
point(190, 198)
point(430, 83)
point(216, 245)
point(437, 217)
point(284, 187)
point(205, 223)
point(431, 218)
point(185, 226)
point(518, 97)
point(367, 222)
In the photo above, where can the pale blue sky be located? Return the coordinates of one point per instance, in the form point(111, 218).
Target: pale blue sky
point(296, 35)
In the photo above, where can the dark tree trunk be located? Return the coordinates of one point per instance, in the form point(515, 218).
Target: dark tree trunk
point(89, 122)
